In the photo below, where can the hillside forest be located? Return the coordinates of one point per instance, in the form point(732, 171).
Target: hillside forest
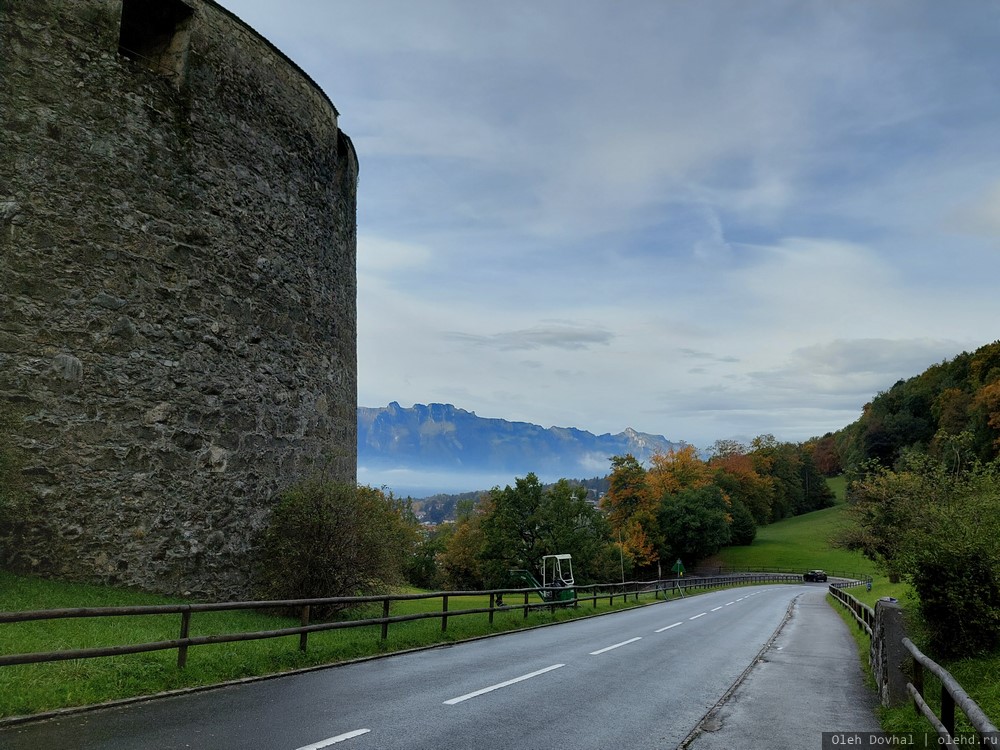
point(923, 469)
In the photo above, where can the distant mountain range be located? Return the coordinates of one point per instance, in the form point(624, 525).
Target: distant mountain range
point(442, 440)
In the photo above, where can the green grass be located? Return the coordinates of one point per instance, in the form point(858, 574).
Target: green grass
point(799, 543)
point(34, 688)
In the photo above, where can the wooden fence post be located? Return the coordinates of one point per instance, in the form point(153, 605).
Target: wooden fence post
point(492, 595)
point(385, 618)
point(947, 709)
point(304, 619)
point(182, 650)
point(444, 612)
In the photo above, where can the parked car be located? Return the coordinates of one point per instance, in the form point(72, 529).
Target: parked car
point(814, 575)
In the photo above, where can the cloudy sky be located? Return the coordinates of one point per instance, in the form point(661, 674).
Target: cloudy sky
point(704, 220)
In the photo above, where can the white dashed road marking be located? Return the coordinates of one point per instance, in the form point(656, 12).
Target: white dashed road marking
point(617, 645)
point(491, 688)
point(334, 740)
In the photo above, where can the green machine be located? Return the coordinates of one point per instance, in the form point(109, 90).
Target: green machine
point(557, 578)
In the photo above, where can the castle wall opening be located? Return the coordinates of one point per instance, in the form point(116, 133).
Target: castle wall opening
point(155, 34)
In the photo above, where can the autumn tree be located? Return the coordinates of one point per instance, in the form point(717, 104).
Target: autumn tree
point(677, 470)
point(631, 509)
point(734, 474)
point(459, 563)
point(798, 486)
point(825, 455)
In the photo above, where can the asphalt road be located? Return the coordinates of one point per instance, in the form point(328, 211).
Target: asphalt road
point(643, 678)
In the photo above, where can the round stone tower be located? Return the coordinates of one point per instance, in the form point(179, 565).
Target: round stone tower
point(177, 289)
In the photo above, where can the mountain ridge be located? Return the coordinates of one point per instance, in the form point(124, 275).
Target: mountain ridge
point(443, 437)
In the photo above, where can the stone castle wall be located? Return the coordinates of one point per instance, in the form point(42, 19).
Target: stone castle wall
point(177, 288)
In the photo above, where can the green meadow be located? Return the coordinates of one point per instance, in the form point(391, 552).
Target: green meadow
point(800, 543)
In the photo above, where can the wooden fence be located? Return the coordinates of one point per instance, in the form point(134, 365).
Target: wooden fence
point(849, 577)
point(863, 614)
point(952, 693)
point(303, 607)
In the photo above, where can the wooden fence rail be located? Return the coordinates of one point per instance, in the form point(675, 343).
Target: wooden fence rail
point(863, 614)
point(952, 693)
point(849, 576)
point(304, 607)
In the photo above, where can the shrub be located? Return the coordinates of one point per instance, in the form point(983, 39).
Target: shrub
point(955, 566)
point(936, 524)
point(331, 539)
point(959, 601)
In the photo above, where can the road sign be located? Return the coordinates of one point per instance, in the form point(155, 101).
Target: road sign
point(678, 567)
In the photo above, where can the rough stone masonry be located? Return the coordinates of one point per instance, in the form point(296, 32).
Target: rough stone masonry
point(177, 289)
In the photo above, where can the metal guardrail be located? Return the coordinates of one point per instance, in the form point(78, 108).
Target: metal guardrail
point(184, 640)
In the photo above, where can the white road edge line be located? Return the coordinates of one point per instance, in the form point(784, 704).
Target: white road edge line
point(491, 688)
point(617, 645)
point(697, 616)
point(716, 609)
point(668, 627)
point(728, 603)
point(335, 740)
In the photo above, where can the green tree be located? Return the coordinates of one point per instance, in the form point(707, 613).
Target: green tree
point(883, 509)
point(570, 524)
point(743, 529)
point(521, 524)
point(695, 523)
point(512, 530)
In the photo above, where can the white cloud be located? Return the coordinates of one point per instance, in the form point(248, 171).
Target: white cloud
point(696, 219)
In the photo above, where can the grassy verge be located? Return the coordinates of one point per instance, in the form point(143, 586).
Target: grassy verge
point(979, 676)
point(34, 688)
